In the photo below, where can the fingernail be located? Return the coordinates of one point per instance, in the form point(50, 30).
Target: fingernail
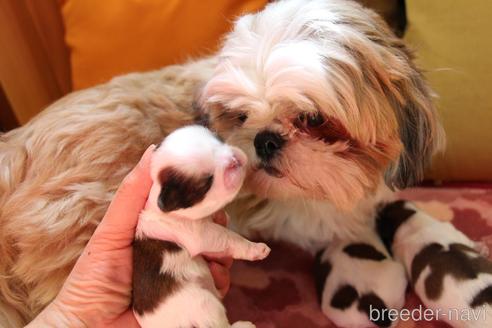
point(146, 156)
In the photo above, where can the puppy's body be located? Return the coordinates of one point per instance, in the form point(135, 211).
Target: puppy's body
point(194, 175)
point(171, 287)
point(179, 292)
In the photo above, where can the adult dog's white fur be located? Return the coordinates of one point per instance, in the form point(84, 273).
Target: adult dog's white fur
point(327, 76)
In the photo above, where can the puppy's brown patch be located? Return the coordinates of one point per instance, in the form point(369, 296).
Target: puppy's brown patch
point(321, 270)
point(482, 298)
point(455, 262)
point(150, 285)
point(344, 297)
point(181, 191)
point(372, 301)
point(364, 251)
point(389, 219)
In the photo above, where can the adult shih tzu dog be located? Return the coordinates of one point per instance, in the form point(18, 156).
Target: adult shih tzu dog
point(333, 115)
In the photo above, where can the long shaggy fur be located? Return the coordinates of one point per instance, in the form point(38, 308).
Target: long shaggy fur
point(334, 59)
point(296, 59)
point(59, 172)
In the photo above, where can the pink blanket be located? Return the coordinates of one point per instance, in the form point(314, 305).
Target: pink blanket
point(279, 291)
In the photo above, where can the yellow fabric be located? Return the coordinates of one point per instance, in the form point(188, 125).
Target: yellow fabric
point(453, 39)
point(112, 37)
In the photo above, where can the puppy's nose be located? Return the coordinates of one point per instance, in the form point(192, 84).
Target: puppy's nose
point(267, 144)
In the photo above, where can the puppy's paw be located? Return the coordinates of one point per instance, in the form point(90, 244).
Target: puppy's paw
point(250, 251)
point(258, 251)
point(359, 284)
point(243, 324)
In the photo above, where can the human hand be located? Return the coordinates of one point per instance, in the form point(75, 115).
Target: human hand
point(98, 290)
point(219, 265)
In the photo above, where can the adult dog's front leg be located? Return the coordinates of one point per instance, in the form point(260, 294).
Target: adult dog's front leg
point(445, 267)
point(358, 282)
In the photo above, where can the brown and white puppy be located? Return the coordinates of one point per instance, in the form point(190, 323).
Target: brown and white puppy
point(322, 97)
point(448, 272)
point(194, 175)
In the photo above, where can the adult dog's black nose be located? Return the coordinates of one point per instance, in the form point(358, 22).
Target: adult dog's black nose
point(267, 144)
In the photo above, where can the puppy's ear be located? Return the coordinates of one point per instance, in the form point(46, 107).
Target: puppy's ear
point(420, 131)
point(180, 191)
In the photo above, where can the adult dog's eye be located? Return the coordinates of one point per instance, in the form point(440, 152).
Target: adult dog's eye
point(242, 117)
point(232, 118)
point(312, 119)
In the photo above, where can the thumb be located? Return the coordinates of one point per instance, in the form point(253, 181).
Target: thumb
point(130, 198)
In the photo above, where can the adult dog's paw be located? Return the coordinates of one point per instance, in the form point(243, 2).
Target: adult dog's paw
point(358, 283)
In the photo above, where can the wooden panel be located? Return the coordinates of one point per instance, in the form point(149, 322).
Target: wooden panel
point(47, 19)
point(7, 117)
point(33, 65)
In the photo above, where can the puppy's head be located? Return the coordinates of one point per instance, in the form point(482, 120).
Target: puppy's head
point(325, 101)
point(195, 173)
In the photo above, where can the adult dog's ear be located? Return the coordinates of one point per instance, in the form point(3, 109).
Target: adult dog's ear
point(420, 131)
point(180, 191)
